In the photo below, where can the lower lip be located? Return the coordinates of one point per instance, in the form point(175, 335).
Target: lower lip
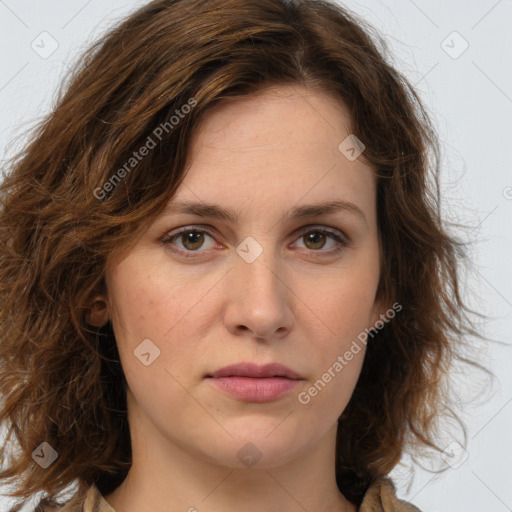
point(253, 389)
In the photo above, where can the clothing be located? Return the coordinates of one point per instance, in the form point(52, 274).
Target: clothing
point(380, 497)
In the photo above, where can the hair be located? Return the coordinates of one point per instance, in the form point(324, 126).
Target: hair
point(60, 379)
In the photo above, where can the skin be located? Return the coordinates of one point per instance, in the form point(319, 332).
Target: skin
point(298, 303)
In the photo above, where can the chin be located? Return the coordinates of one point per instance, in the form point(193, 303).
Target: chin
point(266, 450)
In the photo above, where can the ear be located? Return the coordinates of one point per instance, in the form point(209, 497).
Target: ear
point(98, 314)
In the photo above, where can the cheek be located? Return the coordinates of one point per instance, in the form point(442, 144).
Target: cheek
point(141, 294)
point(147, 307)
point(338, 354)
point(343, 305)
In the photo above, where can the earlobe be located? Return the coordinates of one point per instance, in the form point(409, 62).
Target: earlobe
point(98, 314)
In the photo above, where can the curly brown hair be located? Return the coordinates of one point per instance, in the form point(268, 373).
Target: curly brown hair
point(61, 380)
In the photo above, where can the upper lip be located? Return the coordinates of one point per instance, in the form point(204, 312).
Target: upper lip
point(254, 370)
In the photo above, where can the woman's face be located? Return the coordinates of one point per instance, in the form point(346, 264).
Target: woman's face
point(274, 283)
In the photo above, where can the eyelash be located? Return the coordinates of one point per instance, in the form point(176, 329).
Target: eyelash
point(167, 239)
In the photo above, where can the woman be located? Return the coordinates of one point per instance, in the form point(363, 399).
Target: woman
point(224, 276)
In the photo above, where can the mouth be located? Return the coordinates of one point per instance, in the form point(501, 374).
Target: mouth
point(252, 370)
point(252, 383)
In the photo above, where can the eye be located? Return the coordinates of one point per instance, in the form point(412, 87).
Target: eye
point(190, 240)
point(315, 238)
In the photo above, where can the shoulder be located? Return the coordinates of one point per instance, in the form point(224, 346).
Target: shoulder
point(381, 497)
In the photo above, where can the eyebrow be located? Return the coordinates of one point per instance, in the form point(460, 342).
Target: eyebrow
point(219, 212)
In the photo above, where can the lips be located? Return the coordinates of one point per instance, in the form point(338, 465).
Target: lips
point(255, 371)
point(249, 382)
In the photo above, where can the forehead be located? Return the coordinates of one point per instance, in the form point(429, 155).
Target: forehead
point(282, 143)
point(272, 116)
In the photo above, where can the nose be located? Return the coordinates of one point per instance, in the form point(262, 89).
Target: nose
point(258, 299)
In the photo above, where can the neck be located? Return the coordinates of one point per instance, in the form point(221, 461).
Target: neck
point(166, 476)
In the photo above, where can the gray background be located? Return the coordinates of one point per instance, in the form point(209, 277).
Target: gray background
point(468, 92)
